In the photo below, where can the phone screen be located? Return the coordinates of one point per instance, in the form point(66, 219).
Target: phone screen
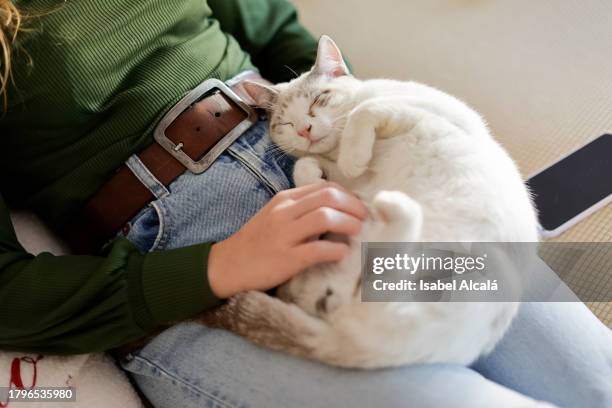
point(573, 184)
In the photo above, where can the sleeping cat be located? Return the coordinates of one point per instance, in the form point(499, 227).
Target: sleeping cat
point(429, 170)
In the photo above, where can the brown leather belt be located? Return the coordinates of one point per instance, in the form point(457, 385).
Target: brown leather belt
point(190, 136)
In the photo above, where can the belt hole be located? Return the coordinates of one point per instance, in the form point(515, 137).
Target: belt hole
point(217, 114)
point(198, 129)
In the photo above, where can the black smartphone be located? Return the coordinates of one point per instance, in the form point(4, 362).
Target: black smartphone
point(574, 187)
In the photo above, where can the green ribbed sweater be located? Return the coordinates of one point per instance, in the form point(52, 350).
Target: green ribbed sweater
point(91, 79)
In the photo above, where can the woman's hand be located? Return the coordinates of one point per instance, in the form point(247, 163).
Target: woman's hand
point(277, 243)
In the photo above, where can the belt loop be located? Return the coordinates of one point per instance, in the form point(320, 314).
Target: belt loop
point(147, 178)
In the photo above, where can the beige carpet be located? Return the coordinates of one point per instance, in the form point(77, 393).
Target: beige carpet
point(540, 73)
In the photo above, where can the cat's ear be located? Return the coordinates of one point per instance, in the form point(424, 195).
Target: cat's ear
point(262, 96)
point(329, 59)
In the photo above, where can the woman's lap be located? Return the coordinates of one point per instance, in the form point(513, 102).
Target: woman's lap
point(558, 352)
point(193, 366)
point(543, 355)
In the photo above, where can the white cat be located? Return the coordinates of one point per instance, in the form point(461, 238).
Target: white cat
point(428, 168)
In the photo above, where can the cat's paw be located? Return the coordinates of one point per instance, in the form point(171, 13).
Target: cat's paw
point(393, 206)
point(328, 302)
point(354, 163)
point(349, 168)
point(399, 217)
point(307, 170)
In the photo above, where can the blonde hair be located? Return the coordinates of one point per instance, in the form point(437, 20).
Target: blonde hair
point(10, 23)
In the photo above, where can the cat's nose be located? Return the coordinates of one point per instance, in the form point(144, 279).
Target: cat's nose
point(305, 132)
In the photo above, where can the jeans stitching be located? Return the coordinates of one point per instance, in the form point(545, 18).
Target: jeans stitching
point(259, 176)
point(162, 233)
point(253, 155)
point(185, 382)
point(144, 175)
point(244, 152)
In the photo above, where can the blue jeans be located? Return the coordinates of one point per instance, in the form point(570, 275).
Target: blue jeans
point(554, 352)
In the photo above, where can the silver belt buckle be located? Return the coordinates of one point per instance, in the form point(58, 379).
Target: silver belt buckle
point(204, 89)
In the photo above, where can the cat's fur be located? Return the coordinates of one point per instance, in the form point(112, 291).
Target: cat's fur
point(429, 169)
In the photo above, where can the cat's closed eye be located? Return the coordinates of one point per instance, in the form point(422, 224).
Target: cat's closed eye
point(286, 124)
point(316, 102)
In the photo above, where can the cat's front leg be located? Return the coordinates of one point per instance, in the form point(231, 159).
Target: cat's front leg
point(356, 143)
point(381, 117)
point(307, 170)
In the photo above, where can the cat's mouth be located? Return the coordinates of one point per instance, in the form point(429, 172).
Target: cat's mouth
point(317, 147)
point(316, 142)
point(312, 145)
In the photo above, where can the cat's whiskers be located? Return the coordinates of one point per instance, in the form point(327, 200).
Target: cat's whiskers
point(277, 154)
point(338, 123)
point(339, 118)
point(278, 151)
point(292, 71)
point(277, 146)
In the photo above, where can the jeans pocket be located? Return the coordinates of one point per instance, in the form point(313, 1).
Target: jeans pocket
point(149, 229)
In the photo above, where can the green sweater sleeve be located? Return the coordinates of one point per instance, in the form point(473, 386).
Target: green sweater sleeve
point(270, 32)
point(78, 304)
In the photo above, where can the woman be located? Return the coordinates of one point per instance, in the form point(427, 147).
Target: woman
point(90, 85)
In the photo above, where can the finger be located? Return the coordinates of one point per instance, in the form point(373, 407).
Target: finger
point(331, 197)
point(322, 220)
point(299, 192)
point(320, 251)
